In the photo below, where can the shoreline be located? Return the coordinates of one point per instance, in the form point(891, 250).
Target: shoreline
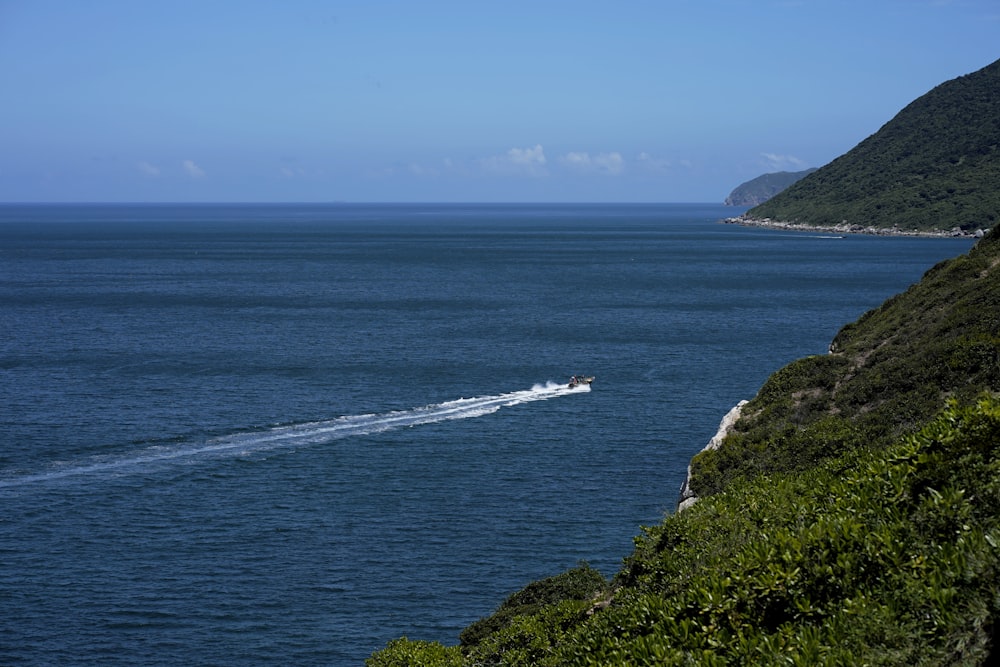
point(846, 228)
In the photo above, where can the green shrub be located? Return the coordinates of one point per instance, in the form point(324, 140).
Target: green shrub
point(405, 653)
point(582, 583)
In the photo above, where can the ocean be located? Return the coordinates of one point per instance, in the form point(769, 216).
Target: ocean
point(287, 434)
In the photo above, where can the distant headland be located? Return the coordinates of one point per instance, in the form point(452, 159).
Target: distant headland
point(758, 190)
point(931, 170)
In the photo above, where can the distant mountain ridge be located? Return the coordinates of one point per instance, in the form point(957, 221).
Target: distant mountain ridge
point(935, 166)
point(760, 189)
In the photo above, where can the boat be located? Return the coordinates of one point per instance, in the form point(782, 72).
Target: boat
point(578, 380)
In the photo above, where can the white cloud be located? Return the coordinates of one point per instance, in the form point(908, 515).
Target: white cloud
point(775, 162)
point(647, 161)
point(581, 160)
point(605, 163)
point(147, 168)
point(529, 156)
point(193, 170)
point(529, 161)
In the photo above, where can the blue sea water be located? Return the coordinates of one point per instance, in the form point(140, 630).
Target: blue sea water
point(263, 434)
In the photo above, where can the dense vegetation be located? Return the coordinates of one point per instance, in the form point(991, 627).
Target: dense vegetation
point(935, 165)
point(762, 188)
point(581, 584)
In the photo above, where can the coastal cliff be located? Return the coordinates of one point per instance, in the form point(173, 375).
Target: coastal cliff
point(884, 375)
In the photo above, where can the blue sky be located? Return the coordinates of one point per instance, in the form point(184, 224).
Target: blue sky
point(465, 101)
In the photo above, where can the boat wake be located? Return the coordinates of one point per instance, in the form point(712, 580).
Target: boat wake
point(289, 436)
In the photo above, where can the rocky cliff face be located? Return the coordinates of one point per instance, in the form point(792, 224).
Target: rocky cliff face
point(687, 496)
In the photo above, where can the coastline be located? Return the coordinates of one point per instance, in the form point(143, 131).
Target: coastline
point(847, 228)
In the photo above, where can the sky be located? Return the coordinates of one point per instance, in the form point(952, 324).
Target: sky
point(456, 101)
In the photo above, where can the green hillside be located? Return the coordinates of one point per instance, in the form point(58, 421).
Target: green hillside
point(885, 375)
point(760, 189)
point(935, 166)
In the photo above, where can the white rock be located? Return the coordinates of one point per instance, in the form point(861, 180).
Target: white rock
point(687, 497)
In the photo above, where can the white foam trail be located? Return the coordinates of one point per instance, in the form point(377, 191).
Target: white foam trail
point(310, 433)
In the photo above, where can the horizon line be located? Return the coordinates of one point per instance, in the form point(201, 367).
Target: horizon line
point(344, 202)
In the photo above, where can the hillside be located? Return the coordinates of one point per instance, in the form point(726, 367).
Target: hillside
point(935, 165)
point(764, 187)
point(885, 375)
